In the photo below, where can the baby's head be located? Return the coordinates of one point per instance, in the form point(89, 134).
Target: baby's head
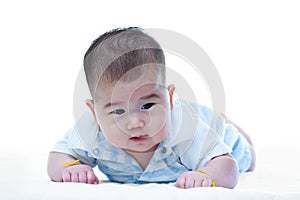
point(125, 71)
point(118, 51)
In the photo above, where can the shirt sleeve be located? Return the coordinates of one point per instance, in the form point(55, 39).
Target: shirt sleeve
point(72, 144)
point(208, 141)
point(239, 147)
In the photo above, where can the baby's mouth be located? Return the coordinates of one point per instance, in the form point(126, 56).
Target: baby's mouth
point(139, 138)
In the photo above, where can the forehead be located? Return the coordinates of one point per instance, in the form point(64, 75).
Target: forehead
point(123, 90)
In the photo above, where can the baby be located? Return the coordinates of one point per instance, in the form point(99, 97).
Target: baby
point(137, 133)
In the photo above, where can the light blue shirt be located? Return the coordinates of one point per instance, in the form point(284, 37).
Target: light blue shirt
point(196, 136)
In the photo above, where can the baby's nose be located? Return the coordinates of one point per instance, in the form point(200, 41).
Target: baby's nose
point(137, 120)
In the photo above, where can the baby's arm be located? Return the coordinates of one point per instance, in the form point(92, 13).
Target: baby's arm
point(223, 170)
point(59, 172)
point(247, 137)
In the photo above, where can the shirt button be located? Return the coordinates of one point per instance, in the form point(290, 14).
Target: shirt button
point(95, 151)
point(164, 150)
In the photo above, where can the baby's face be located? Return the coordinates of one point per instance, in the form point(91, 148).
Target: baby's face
point(134, 116)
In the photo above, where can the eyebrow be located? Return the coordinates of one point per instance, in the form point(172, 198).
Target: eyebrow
point(109, 104)
point(153, 95)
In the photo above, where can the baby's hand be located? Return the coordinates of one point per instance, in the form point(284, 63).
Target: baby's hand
point(192, 179)
point(79, 173)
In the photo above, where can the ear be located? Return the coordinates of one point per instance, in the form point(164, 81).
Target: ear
point(171, 89)
point(90, 105)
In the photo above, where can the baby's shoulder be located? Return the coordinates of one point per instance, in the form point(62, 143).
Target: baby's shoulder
point(183, 107)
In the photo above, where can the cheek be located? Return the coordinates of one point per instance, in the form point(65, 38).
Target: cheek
point(107, 126)
point(159, 119)
point(113, 134)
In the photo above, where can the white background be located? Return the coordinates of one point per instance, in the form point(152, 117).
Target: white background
point(255, 46)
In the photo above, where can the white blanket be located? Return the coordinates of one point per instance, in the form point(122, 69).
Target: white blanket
point(276, 177)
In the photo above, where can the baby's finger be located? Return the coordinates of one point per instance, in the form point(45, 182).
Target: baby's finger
point(91, 178)
point(180, 183)
point(66, 176)
point(96, 181)
point(198, 183)
point(206, 182)
point(189, 182)
point(74, 177)
point(82, 177)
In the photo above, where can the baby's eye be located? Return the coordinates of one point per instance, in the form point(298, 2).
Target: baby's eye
point(118, 111)
point(147, 106)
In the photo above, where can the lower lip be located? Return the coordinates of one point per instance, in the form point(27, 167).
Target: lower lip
point(138, 139)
